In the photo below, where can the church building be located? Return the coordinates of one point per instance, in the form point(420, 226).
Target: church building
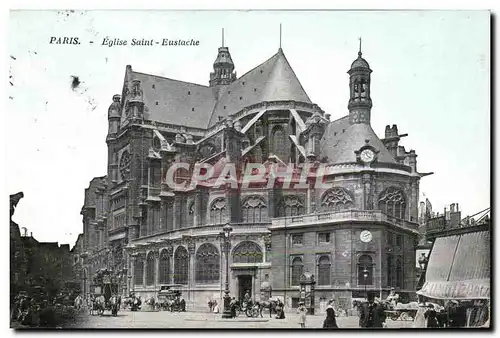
point(358, 234)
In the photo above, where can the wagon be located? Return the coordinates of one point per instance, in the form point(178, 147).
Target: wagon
point(401, 314)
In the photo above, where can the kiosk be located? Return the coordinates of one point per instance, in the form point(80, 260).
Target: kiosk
point(307, 284)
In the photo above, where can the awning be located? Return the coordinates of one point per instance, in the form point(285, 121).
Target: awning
point(459, 267)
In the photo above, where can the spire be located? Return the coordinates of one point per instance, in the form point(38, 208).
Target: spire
point(280, 36)
point(360, 102)
point(223, 67)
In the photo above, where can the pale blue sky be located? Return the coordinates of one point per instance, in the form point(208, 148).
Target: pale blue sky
point(431, 74)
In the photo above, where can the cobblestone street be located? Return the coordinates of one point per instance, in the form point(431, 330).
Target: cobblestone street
point(189, 320)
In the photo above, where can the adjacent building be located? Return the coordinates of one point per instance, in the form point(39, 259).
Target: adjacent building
point(459, 265)
point(359, 234)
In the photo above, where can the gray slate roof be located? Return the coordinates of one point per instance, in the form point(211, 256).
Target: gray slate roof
point(273, 80)
point(183, 103)
point(341, 150)
point(176, 102)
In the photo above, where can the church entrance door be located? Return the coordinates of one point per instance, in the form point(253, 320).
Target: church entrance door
point(244, 285)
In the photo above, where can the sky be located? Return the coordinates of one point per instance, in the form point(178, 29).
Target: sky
point(431, 77)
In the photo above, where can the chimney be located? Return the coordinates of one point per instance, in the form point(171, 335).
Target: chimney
point(31, 234)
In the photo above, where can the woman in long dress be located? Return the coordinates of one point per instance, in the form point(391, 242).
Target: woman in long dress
point(302, 310)
point(420, 320)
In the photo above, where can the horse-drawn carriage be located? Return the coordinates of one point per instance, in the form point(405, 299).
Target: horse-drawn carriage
point(169, 299)
point(400, 311)
point(105, 294)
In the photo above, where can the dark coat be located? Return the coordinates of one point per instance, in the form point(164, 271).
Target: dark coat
point(378, 315)
point(330, 321)
point(432, 320)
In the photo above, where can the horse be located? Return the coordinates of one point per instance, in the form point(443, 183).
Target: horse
point(114, 302)
point(269, 305)
point(152, 303)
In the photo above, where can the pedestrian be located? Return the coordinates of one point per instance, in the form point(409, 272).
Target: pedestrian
point(330, 320)
point(431, 317)
point(216, 306)
point(232, 306)
point(280, 310)
point(371, 314)
point(302, 311)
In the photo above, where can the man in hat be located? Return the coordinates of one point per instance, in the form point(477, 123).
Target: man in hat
point(371, 314)
point(393, 297)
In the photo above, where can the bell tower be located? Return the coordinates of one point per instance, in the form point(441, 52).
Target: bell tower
point(360, 102)
point(223, 73)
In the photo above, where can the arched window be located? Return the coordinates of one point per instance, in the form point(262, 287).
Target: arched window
point(291, 206)
point(254, 210)
point(181, 266)
point(297, 270)
point(399, 273)
point(324, 270)
point(247, 252)
point(164, 267)
point(337, 199)
point(139, 270)
point(207, 264)
point(392, 202)
point(150, 269)
point(218, 214)
point(365, 270)
point(279, 144)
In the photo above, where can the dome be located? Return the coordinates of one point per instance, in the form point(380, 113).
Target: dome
point(360, 63)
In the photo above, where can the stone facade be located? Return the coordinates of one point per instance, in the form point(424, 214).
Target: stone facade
point(156, 234)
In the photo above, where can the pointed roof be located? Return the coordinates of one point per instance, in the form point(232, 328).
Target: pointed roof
point(175, 102)
point(273, 80)
point(354, 137)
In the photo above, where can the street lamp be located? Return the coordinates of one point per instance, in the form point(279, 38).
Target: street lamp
point(365, 275)
point(224, 234)
point(129, 283)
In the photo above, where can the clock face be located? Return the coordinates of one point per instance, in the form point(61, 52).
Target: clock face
point(367, 155)
point(365, 236)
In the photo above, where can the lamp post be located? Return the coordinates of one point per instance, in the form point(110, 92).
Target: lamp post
point(225, 235)
point(365, 275)
point(129, 283)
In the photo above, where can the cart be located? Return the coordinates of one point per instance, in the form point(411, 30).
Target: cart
point(105, 291)
point(169, 298)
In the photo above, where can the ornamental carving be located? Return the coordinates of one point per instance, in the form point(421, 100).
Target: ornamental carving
point(136, 94)
point(218, 204)
point(267, 241)
point(125, 161)
point(292, 201)
point(207, 150)
point(254, 202)
point(207, 250)
point(169, 250)
point(337, 197)
point(392, 195)
point(115, 106)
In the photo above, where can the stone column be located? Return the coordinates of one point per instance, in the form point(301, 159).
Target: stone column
point(132, 261)
point(144, 270)
point(367, 192)
point(157, 268)
point(192, 268)
point(177, 211)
